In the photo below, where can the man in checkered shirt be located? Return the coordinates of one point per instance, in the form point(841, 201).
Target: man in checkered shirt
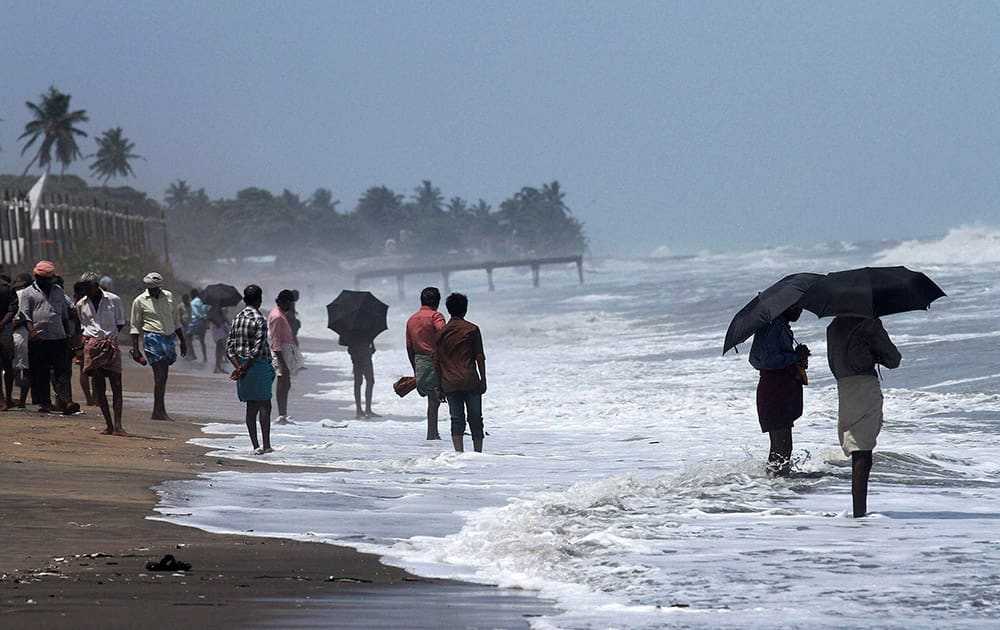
point(250, 355)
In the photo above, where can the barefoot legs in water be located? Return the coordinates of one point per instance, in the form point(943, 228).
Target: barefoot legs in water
point(861, 467)
point(779, 460)
point(259, 409)
point(364, 371)
point(433, 404)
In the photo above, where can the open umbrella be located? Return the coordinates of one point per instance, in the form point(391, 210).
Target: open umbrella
point(871, 292)
point(768, 304)
point(221, 295)
point(357, 316)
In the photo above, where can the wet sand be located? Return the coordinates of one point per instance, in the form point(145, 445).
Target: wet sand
point(76, 540)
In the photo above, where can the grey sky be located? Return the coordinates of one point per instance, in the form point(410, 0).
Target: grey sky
point(691, 125)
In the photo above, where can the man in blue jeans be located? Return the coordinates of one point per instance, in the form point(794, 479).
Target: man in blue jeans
point(460, 366)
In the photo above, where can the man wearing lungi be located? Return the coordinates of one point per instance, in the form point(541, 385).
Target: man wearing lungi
point(250, 354)
point(102, 316)
point(154, 319)
point(854, 346)
point(421, 335)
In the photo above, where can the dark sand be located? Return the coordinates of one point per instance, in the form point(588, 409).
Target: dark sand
point(75, 537)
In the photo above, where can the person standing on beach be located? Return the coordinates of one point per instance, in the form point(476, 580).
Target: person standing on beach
point(855, 346)
point(196, 329)
point(293, 317)
point(364, 370)
point(102, 316)
point(782, 366)
point(8, 309)
point(154, 319)
point(220, 324)
point(250, 355)
point(421, 335)
point(22, 331)
point(460, 366)
point(44, 308)
point(283, 345)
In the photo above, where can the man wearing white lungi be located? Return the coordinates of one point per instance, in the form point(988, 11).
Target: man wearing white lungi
point(854, 346)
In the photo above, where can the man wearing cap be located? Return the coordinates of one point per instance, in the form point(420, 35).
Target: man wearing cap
point(154, 318)
point(279, 331)
point(45, 310)
point(102, 316)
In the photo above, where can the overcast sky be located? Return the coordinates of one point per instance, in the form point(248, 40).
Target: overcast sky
point(690, 125)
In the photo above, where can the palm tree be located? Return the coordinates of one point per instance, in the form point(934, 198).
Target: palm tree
point(113, 155)
point(554, 196)
point(178, 194)
point(54, 124)
point(428, 198)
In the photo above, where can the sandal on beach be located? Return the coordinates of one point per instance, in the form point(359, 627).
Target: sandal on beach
point(168, 563)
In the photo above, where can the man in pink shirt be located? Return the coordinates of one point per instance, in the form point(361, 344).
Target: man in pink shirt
point(279, 332)
point(421, 334)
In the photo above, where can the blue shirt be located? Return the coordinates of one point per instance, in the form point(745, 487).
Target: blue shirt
point(198, 310)
point(773, 346)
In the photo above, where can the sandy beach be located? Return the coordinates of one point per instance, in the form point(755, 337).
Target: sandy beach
point(73, 508)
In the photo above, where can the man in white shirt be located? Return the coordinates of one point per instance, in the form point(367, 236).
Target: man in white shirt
point(102, 317)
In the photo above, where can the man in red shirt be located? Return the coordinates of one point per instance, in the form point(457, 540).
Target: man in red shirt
point(421, 335)
point(460, 364)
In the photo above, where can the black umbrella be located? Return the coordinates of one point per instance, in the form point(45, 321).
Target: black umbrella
point(357, 316)
point(871, 292)
point(221, 295)
point(768, 304)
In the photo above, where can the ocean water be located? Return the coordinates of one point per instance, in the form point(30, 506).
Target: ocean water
point(623, 475)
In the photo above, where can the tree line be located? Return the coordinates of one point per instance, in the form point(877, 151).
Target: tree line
point(532, 221)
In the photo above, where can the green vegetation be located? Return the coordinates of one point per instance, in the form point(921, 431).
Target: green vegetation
point(55, 125)
point(532, 222)
point(113, 155)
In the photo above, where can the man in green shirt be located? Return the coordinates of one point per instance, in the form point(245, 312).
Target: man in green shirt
point(154, 318)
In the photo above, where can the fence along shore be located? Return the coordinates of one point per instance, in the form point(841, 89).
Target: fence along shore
point(62, 226)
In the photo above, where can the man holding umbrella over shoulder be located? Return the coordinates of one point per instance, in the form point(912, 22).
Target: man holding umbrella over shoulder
point(154, 325)
point(856, 343)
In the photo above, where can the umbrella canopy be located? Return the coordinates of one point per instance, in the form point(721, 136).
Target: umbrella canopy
point(871, 292)
point(768, 304)
point(357, 316)
point(221, 295)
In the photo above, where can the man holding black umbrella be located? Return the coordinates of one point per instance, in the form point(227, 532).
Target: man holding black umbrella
point(854, 346)
point(856, 343)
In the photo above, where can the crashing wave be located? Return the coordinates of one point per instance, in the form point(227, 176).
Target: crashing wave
point(966, 245)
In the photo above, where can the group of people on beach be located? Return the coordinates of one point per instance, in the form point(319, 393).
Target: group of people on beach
point(447, 359)
point(44, 330)
point(855, 347)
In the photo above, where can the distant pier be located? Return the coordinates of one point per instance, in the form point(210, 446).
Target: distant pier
point(446, 269)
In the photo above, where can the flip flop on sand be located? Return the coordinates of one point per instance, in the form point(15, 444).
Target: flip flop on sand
point(168, 563)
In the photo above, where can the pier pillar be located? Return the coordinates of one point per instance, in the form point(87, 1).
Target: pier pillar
point(489, 277)
point(399, 285)
point(534, 274)
point(444, 282)
point(579, 268)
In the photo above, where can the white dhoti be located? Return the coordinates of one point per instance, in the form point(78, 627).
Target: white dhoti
point(859, 418)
